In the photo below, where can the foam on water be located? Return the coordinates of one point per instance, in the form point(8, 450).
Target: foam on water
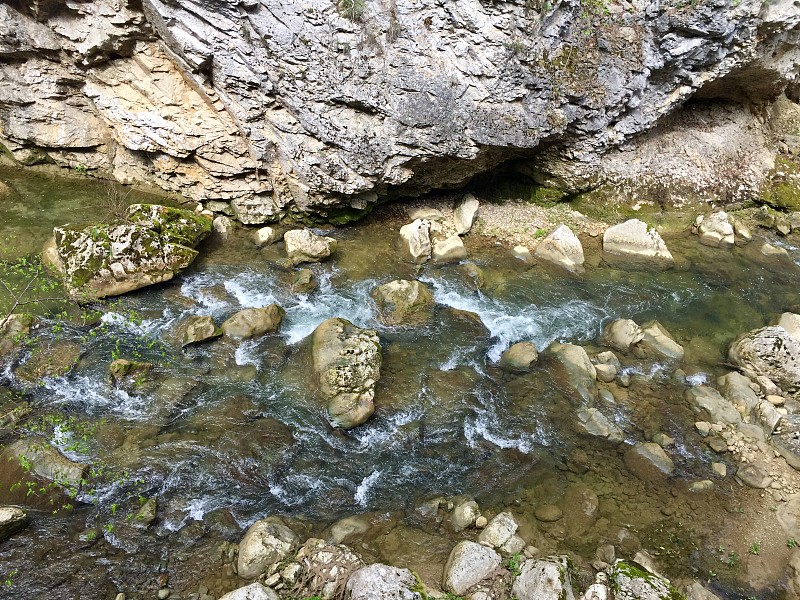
point(365, 488)
point(84, 391)
point(697, 379)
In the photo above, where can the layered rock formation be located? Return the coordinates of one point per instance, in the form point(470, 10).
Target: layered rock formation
point(275, 107)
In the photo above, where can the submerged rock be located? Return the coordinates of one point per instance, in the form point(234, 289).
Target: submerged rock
point(49, 359)
point(265, 543)
point(12, 520)
point(648, 461)
point(14, 329)
point(545, 579)
point(519, 358)
point(382, 582)
point(41, 459)
point(252, 322)
point(304, 282)
point(630, 581)
point(416, 240)
point(574, 365)
point(403, 302)
point(303, 245)
point(771, 352)
point(635, 243)
point(197, 329)
point(468, 564)
point(151, 245)
point(563, 248)
point(347, 362)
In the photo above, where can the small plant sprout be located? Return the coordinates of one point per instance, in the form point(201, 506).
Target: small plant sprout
point(755, 548)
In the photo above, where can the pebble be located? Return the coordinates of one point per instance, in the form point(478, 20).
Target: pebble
point(481, 522)
point(703, 428)
point(719, 469)
point(548, 513)
point(776, 400)
point(163, 594)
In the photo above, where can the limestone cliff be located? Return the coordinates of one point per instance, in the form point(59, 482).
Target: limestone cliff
point(278, 106)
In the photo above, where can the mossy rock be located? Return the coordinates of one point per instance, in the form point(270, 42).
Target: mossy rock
point(631, 581)
point(783, 190)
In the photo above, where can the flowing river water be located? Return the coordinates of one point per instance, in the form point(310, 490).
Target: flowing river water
point(233, 431)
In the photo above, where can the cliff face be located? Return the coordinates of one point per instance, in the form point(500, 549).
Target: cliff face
point(278, 106)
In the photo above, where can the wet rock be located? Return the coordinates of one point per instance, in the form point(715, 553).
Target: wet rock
point(715, 230)
point(197, 329)
point(347, 361)
point(474, 275)
point(324, 570)
point(562, 247)
point(266, 542)
point(771, 251)
point(548, 513)
point(544, 579)
point(631, 581)
point(464, 514)
point(45, 461)
point(450, 250)
point(252, 322)
point(648, 461)
point(606, 373)
point(590, 421)
point(381, 582)
point(634, 243)
point(416, 240)
point(663, 440)
point(708, 403)
point(696, 591)
point(768, 416)
point(344, 530)
point(519, 358)
point(791, 323)
point(468, 564)
point(266, 236)
point(12, 520)
point(13, 331)
point(145, 516)
point(464, 214)
point(738, 391)
point(581, 504)
point(50, 359)
point(621, 335)
point(574, 365)
point(753, 476)
point(500, 533)
point(771, 352)
point(657, 342)
point(303, 245)
point(403, 302)
point(222, 227)
point(719, 469)
point(303, 282)
point(254, 591)
point(522, 253)
point(127, 373)
point(151, 245)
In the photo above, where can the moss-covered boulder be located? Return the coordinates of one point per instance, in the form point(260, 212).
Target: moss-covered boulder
point(631, 581)
point(151, 245)
point(403, 302)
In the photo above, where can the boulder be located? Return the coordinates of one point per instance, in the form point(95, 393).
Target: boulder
point(50, 359)
point(634, 243)
point(621, 335)
point(657, 343)
point(12, 519)
point(464, 214)
point(41, 459)
point(519, 358)
point(581, 504)
point(771, 251)
point(468, 564)
point(606, 372)
point(266, 236)
point(648, 461)
point(303, 282)
point(711, 406)
point(146, 514)
point(403, 302)
point(753, 476)
point(347, 362)
point(736, 390)
point(197, 329)
point(252, 322)
point(575, 366)
point(382, 582)
point(222, 227)
point(742, 232)
point(450, 250)
point(416, 240)
point(590, 421)
point(545, 579)
point(563, 248)
point(631, 581)
point(464, 514)
point(771, 352)
point(303, 245)
point(323, 570)
point(767, 416)
point(267, 542)
point(696, 591)
point(151, 245)
point(548, 513)
point(715, 230)
point(344, 530)
point(791, 323)
point(126, 373)
point(500, 533)
point(254, 591)
point(13, 329)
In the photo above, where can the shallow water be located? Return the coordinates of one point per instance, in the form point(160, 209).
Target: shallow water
point(235, 429)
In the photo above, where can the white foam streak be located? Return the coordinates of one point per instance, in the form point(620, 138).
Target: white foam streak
point(365, 487)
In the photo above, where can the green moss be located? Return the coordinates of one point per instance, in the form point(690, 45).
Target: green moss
point(632, 571)
point(783, 190)
point(546, 197)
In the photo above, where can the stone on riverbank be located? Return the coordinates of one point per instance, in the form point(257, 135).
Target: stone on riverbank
point(266, 236)
point(468, 564)
point(714, 230)
point(519, 358)
point(711, 406)
point(303, 245)
point(590, 421)
point(501, 534)
point(416, 240)
point(657, 342)
point(621, 335)
point(254, 591)
point(771, 352)
point(464, 214)
point(347, 363)
point(252, 322)
point(403, 302)
point(563, 248)
point(151, 245)
point(648, 461)
point(381, 582)
point(267, 541)
point(545, 579)
point(631, 581)
point(41, 459)
point(575, 366)
point(321, 569)
point(735, 387)
point(448, 251)
point(12, 520)
point(634, 243)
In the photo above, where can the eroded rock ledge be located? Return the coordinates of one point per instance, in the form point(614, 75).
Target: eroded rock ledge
point(272, 106)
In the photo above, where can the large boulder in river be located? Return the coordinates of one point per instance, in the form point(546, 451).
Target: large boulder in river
point(268, 541)
point(450, 250)
point(519, 358)
point(382, 582)
point(621, 335)
point(574, 365)
point(545, 579)
point(562, 248)
point(416, 240)
point(347, 362)
point(635, 243)
point(12, 519)
point(303, 245)
point(403, 302)
point(196, 329)
point(252, 322)
point(151, 245)
point(657, 343)
point(40, 458)
point(771, 352)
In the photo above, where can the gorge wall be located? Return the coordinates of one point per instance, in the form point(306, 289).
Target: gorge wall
point(264, 108)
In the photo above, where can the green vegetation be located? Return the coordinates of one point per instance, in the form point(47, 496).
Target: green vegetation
point(791, 543)
point(352, 9)
point(755, 548)
point(513, 564)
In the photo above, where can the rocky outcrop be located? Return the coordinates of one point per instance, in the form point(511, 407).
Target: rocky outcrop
point(347, 363)
point(151, 245)
point(771, 352)
point(563, 248)
point(635, 244)
point(403, 302)
point(275, 107)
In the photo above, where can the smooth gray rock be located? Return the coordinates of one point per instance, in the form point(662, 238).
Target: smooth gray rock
point(253, 322)
point(657, 343)
point(648, 461)
point(545, 579)
point(403, 302)
point(519, 358)
point(575, 367)
point(634, 243)
point(621, 335)
point(381, 582)
point(464, 214)
point(450, 250)
point(468, 564)
point(590, 421)
point(197, 329)
point(304, 246)
point(266, 542)
point(711, 406)
point(738, 391)
point(563, 248)
point(416, 240)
